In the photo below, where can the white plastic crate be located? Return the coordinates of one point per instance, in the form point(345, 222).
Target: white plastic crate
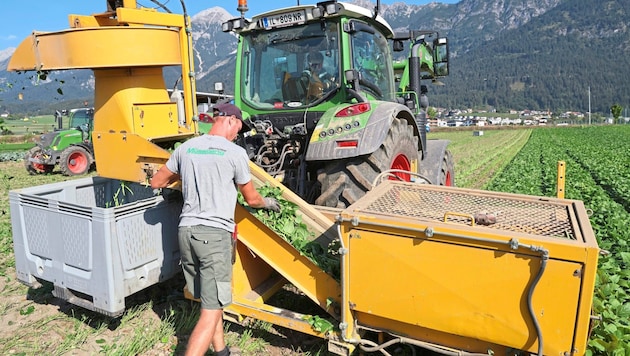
point(95, 240)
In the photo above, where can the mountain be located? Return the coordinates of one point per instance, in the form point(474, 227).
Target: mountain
point(505, 54)
point(214, 50)
point(6, 54)
point(549, 62)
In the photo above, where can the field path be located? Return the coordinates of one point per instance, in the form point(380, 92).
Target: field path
point(479, 158)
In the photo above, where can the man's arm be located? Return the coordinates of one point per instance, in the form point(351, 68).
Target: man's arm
point(251, 195)
point(255, 200)
point(163, 178)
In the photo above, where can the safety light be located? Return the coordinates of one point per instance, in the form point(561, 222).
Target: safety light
point(242, 6)
point(326, 8)
point(234, 24)
point(353, 110)
point(332, 8)
point(348, 144)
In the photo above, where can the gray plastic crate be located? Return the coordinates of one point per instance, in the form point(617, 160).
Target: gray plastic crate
point(96, 241)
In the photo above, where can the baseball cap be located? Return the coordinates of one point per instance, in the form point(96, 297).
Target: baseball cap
point(227, 109)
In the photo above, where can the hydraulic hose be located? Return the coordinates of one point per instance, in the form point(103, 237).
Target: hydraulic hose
point(354, 94)
point(373, 347)
point(390, 173)
point(532, 313)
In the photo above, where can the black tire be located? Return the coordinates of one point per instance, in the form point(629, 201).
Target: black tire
point(345, 181)
point(447, 170)
point(75, 160)
point(36, 168)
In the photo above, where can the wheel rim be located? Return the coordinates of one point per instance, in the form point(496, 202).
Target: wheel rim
point(401, 162)
point(77, 162)
point(448, 180)
point(40, 167)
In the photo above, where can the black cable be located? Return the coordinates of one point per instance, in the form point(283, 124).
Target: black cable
point(543, 265)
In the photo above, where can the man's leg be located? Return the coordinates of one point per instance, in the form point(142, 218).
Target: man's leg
point(205, 332)
point(212, 248)
point(218, 339)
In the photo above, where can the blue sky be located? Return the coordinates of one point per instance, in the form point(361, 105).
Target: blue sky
point(20, 17)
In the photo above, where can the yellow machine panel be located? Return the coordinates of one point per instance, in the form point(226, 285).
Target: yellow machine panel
point(419, 266)
point(146, 118)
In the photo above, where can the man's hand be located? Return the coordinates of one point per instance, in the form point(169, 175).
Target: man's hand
point(272, 204)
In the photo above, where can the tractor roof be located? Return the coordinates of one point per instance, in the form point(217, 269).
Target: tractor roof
point(313, 12)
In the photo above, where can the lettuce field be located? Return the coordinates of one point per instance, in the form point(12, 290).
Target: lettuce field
point(598, 173)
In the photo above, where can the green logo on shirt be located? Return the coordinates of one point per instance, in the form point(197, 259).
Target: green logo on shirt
point(211, 151)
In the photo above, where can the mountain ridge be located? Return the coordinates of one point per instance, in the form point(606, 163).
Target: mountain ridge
point(499, 59)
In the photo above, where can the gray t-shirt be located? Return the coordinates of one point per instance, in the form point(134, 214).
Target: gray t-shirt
point(209, 166)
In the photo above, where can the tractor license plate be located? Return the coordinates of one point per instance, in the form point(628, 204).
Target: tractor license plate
point(286, 19)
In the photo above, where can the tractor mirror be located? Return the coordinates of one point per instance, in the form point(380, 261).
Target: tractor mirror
point(441, 69)
point(441, 56)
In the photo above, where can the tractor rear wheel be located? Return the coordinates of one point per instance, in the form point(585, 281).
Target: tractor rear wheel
point(75, 160)
point(33, 167)
point(345, 181)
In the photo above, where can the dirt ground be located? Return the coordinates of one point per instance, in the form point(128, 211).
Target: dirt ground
point(33, 321)
point(37, 322)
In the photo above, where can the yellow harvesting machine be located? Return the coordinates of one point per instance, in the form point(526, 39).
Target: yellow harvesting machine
point(417, 268)
point(452, 270)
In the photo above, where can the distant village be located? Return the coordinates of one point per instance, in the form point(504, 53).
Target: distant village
point(457, 118)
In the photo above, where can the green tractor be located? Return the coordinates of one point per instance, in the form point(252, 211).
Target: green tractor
point(331, 112)
point(70, 148)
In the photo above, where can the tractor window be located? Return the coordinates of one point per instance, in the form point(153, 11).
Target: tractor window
point(81, 117)
point(276, 69)
point(372, 58)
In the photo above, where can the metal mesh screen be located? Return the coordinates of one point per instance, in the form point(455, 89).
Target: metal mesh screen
point(537, 217)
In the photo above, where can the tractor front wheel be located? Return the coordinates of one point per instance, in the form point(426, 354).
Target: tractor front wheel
point(75, 160)
point(345, 181)
point(32, 159)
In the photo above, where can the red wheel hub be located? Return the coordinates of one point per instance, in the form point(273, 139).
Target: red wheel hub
point(39, 167)
point(448, 181)
point(77, 162)
point(401, 162)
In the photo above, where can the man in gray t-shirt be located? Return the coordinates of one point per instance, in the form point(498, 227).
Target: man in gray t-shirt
point(210, 167)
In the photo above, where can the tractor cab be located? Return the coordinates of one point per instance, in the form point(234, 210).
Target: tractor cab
point(83, 120)
point(298, 58)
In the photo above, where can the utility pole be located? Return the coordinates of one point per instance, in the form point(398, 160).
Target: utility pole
point(589, 104)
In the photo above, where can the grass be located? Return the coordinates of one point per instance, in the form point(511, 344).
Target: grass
point(33, 125)
point(158, 320)
point(9, 147)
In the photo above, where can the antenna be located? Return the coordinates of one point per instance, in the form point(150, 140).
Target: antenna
point(377, 8)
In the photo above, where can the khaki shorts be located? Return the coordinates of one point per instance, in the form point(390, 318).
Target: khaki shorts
point(206, 254)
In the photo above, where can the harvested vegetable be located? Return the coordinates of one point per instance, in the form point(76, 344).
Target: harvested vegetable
point(288, 224)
